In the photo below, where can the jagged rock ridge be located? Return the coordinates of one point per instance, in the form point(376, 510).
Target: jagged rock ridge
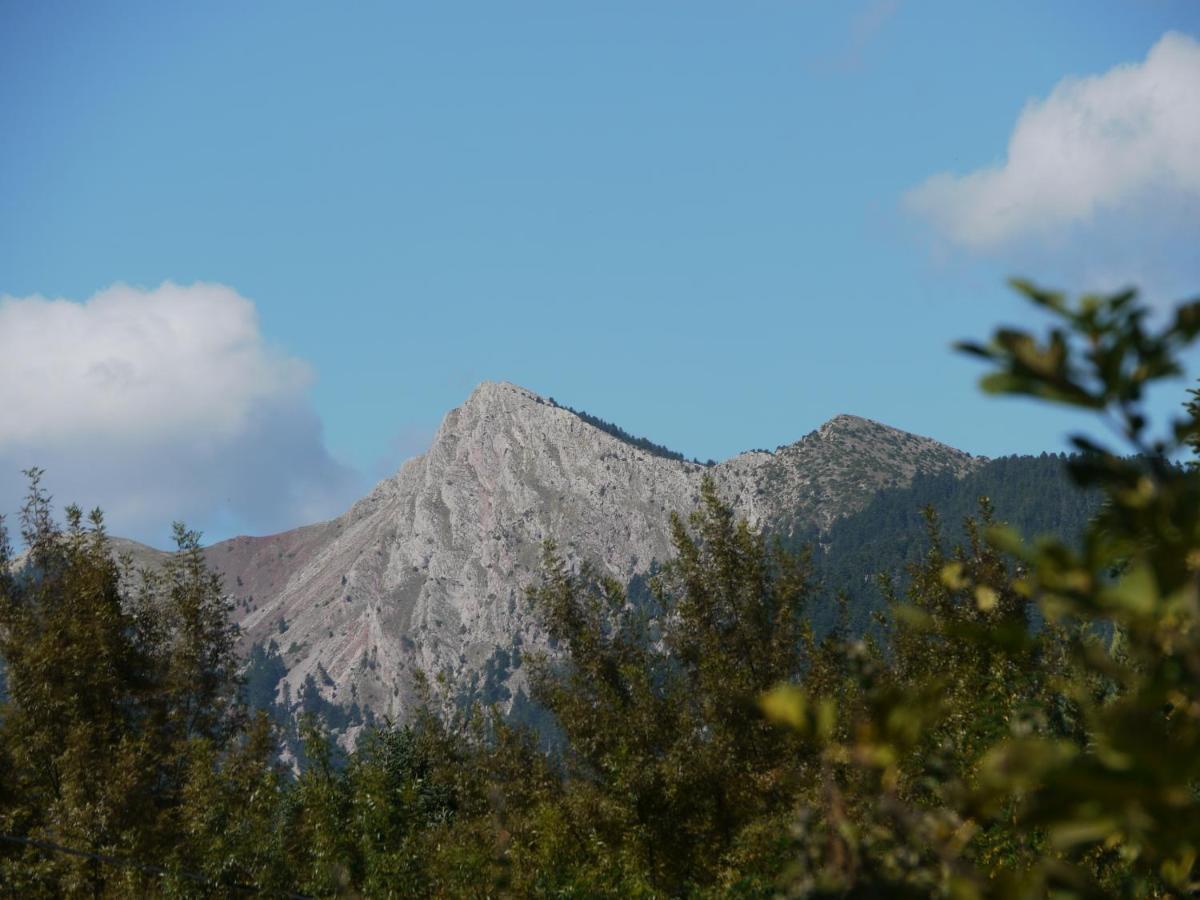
point(427, 573)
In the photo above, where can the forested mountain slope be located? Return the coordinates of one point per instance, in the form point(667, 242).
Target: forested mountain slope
point(1032, 493)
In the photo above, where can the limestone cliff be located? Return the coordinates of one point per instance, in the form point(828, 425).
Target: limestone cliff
point(427, 573)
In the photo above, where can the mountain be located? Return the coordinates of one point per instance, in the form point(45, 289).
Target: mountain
point(426, 575)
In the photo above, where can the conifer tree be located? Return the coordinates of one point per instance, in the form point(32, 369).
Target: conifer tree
point(75, 727)
point(123, 731)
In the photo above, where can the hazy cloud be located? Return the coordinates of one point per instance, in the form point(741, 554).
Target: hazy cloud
point(1104, 171)
point(162, 404)
point(865, 26)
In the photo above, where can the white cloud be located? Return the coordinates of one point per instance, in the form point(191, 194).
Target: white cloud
point(1124, 144)
point(158, 405)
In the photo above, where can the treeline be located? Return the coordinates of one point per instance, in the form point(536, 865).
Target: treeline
point(712, 744)
point(622, 435)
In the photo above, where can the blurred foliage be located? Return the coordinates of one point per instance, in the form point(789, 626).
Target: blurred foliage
point(1025, 720)
point(996, 759)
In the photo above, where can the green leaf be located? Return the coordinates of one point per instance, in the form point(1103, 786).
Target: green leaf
point(785, 705)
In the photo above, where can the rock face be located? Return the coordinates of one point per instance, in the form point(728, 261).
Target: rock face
point(427, 573)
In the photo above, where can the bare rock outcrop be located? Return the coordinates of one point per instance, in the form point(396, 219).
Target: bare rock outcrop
point(427, 574)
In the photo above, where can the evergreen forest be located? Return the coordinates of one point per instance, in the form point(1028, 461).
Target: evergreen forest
point(1033, 494)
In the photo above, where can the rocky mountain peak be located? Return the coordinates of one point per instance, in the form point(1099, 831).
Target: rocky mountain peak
point(427, 575)
point(833, 471)
point(502, 394)
point(844, 423)
point(492, 405)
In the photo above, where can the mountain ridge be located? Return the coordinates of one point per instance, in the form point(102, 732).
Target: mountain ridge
point(424, 577)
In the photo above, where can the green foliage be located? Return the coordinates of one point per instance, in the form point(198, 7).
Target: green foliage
point(1127, 796)
point(665, 745)
point(997, 760)
point(1193, 441)
point(122, 704)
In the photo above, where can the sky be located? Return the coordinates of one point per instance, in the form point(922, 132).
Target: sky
point(250, 254)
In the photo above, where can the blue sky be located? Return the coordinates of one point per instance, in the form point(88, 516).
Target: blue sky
point(709, 222)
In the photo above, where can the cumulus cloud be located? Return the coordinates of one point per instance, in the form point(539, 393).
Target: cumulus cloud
point(1104, 164)
point(162, 404)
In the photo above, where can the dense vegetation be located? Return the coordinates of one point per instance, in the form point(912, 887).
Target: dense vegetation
point(1033, 494)
point(261, 676)
point(712, 745)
